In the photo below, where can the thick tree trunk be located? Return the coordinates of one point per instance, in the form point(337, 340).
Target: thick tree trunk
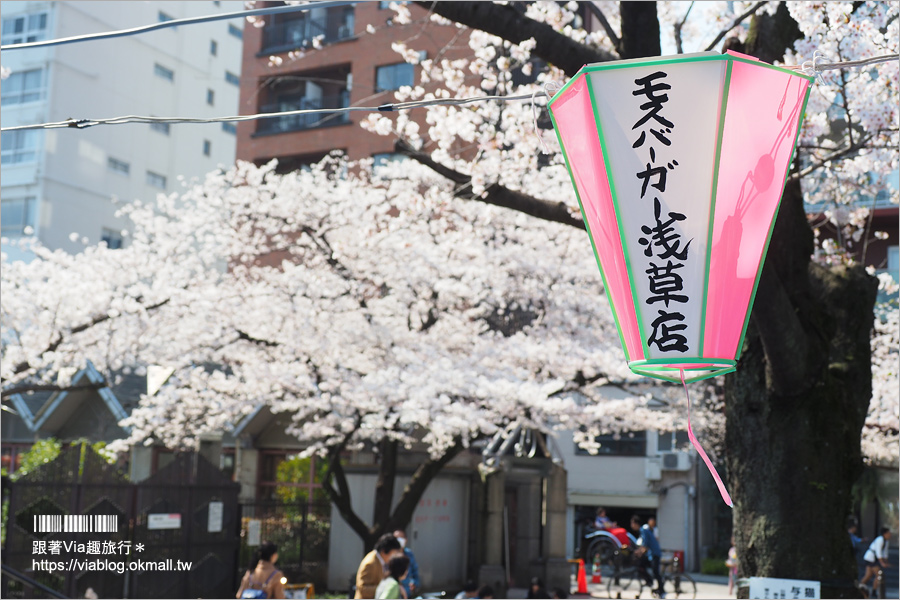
point(797, 403)
point(793, 453)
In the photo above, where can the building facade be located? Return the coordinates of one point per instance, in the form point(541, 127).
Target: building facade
point(354, 65)
point(60, 182)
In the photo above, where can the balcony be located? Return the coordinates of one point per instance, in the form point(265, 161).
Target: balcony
point(302, 122)
point(292, 31)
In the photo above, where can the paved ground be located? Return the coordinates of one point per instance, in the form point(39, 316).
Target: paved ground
point(708, 586)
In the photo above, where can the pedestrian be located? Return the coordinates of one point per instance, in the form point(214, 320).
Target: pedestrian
point(262, 579)
point(602, 521)
point(410, 583)
point(732, 563)
point(654, 552)
point(560, 593)
point(389, 587)
point(876, 555)
point(373, 566)
point(537, 589)
point(485, 592)
point(470, 590)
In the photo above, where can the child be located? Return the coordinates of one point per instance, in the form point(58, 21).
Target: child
point(390, 585)
point(732, 564)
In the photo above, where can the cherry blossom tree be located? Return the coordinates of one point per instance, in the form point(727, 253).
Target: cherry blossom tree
point(802, 398)
point(430, 307)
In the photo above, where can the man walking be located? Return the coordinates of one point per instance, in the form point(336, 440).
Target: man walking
point(372, 568)
point(648, 540)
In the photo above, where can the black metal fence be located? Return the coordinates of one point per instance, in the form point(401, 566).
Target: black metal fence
point(301, 532)
point(80, 484)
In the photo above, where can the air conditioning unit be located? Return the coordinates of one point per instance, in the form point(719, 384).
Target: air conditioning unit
point(675, 461)
point(652, 468)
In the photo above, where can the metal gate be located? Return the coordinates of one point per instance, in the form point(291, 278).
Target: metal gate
point(80, 483)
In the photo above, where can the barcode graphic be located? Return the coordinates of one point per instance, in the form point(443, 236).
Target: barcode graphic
point(76, 523)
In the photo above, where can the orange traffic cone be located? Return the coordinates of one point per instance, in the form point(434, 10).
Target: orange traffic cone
point(582, 577)
point(595, 570)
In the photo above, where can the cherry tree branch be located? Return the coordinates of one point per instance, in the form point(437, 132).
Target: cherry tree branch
point(604, 22)
point(495, 194)
point(736, 22)
point(29, 388)
point(25, 365)
point(510, 24)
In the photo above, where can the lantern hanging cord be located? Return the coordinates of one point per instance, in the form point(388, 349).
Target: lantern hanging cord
point(712, 470)
point(818, 64)
point(550, 88)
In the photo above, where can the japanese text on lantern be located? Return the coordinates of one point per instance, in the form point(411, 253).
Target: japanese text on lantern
point(663, 244)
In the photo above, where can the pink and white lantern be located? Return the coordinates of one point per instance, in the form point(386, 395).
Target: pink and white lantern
point(679, 164)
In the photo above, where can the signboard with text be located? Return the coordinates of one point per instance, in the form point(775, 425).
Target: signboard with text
point(768, 587)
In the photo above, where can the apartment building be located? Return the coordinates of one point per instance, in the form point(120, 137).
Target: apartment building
point(58, 182)
point(353, 65)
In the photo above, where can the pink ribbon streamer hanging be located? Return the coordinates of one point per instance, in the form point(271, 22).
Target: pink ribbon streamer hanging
point(712, 470)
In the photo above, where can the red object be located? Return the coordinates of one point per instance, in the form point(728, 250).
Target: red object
point(679, 554)
point(621, 535)
point(582, 577)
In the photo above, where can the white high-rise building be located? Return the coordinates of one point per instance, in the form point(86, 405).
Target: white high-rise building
point(56, 182)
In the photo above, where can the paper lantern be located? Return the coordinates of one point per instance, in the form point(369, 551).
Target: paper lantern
point(679, 164)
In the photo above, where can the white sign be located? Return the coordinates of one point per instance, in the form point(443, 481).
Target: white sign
point(767, 587)
point(164, 521)
point(214, 524)
point(253, 531)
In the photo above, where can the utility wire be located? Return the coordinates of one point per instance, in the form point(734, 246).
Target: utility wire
point(816, 66)
point(85, 123)
point(271, 10)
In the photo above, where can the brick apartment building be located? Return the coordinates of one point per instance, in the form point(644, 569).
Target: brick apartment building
point(353, 67)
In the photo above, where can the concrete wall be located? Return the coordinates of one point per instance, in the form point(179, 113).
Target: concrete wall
point(437, 533)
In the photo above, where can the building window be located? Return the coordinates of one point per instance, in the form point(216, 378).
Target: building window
point(207, 147)
point(213, 47)
point(217, 3)
point(18, 147)
point(232, 78)
point(210, 97)
point(671, 441)
point(16, 214)
point(161, 71)
point(289, 479)
point(160, 127)
point(235, 31)
point(229, 128)
point(163, 17)
point(393, 77)
point(384, 5)
point(22, 87)
point(156, 180)
point(119, 166)
point(627, 443)
point(383, 159)
point(112, 238)
point(24, 29)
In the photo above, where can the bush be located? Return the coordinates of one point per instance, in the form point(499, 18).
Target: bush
point(713, 566)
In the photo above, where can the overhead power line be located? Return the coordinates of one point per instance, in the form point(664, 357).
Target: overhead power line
point(271, 10)
point(815, 66)
point(85, 123)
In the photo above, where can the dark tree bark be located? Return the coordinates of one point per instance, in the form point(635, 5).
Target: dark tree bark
point(510, 24)
point(797, 403)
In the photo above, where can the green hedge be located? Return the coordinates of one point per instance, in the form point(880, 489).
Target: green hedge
point(713, 566)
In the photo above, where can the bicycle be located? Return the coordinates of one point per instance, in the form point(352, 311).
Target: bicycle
point(631, 578)
point(677, 583)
